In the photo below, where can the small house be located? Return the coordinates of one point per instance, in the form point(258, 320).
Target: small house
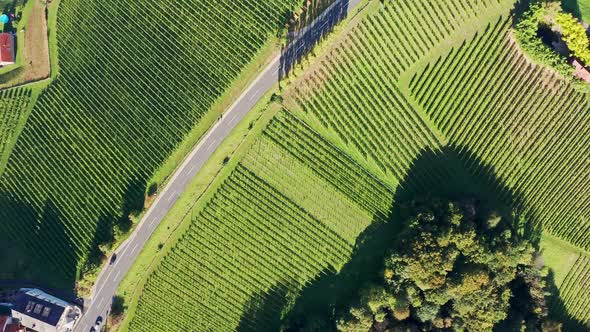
point(7, 56)
point(580, 71)
point(41, 312)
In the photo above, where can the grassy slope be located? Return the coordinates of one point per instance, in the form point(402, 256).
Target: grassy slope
point(580, 8)
point(559, 256)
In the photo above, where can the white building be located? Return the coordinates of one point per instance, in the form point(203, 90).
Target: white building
point(41, 312)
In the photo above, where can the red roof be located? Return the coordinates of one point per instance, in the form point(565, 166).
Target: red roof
point(6, 47)
point(581, 72)
point(3, 320)
point(14, 328)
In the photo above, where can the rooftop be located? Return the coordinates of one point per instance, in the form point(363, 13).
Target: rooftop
point(41, 309)
point(6, 47)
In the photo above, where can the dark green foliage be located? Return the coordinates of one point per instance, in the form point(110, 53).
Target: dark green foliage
point(455, 266)
point(118, 306)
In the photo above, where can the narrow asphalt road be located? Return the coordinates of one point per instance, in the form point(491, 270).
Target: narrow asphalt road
point(111, 275)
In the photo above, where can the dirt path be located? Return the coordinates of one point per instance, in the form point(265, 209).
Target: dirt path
point(36, 45)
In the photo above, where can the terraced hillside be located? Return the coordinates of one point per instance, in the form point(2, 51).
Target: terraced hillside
point(119, 108)
point(438, 87)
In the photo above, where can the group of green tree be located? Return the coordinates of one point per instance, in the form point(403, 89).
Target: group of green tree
point(456, 267)
point(550, 16)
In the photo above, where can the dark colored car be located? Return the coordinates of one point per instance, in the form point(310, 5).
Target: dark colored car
point(113, 259)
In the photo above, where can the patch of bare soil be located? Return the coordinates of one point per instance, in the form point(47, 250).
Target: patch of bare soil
point(36, 44)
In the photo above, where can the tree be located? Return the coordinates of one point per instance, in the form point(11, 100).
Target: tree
point(574, 34)
point(454, 267)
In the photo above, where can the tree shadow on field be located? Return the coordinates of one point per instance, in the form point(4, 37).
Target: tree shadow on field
point(573, 7)
point(432, 174)
point(40, 252)
point(38, 245)
point(557, 309)
point(301, 41)
point(263, 310)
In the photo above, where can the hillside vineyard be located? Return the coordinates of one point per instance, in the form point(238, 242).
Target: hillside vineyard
point(380, 101)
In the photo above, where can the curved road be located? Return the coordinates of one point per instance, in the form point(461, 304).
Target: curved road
point(111, 275)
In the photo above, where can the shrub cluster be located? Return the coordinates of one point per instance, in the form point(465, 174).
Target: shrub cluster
point(575, 36)
point(526, 34)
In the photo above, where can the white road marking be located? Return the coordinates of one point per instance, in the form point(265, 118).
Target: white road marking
point(134, 248)
point(233, 118)
point(116, 275)
point(100, 303)
point(192, 169)
point(211, 145)
point(153, 221)
point(169, 199)
point(254, 94)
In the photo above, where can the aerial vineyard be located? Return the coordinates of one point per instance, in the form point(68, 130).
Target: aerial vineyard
point(408, 84)
point(13, 105)
point(492, 104)
point(264, 236)
point(135, 78)
point(355, 92)
point(574, 293)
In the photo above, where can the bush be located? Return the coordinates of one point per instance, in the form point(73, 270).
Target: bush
point(574, 35)
point(526, 30)
point(526, 35)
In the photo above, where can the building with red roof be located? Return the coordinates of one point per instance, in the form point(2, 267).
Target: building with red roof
point(7, 56)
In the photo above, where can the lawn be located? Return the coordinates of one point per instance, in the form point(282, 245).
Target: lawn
point(580, 8)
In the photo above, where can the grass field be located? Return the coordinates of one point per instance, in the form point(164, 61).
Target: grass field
point(117, 111)
point(449, 106)
point(580, 8)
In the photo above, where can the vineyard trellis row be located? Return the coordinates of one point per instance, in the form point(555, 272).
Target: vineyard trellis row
point(13, 105)
point(574, 293)
point(330, 166)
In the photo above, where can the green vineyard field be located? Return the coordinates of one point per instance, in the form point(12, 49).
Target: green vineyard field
point(13, 106)
point(575, 294)
point(118, 109)
point(267, 233)
point(534, 129)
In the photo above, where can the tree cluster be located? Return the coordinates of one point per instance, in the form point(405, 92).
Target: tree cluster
point(574, 34)
point(549, 15)
point(454, 268)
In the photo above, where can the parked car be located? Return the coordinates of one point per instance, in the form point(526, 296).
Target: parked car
point(97, 324)
point(113, 259)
